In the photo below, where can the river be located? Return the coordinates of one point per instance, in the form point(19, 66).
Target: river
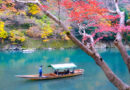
point(18, 63)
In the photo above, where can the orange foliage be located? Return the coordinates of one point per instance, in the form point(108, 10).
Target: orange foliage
point(8, 5)
point(34, 32)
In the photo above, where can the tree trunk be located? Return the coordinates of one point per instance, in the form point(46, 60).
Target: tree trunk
point(2, 41)
point(118, 41)
point(99, 61)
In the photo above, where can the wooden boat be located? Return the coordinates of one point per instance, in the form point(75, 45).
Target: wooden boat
point(75, 72)
point(51, 75)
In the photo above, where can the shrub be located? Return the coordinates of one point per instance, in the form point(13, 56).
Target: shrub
point(3, 33)
point(16, 36)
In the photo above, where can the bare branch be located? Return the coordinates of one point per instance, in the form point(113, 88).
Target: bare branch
point(111, 11)
point(28, 1)
point(116, 1)
point(85, 35)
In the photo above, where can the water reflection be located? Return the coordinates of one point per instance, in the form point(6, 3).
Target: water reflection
point(12, 64)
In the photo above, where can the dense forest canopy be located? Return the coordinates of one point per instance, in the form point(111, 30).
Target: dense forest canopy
point(28, 17)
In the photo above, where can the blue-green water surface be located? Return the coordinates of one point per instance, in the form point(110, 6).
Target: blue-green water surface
point(18, 63)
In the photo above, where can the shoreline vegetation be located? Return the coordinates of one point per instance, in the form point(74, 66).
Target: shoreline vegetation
point(37, 44)
point(23, 29)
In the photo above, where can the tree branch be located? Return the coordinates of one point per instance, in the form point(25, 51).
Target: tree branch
point(27, 1)
point(84, 34)
point(118, 41)
point(111, 11)
point(110, 75)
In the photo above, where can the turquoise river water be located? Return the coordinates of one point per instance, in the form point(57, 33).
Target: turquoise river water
point(18, 63)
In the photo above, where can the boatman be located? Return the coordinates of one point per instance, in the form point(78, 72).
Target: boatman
point(40, 71)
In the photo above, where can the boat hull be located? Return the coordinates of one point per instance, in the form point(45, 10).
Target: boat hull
point(51, 75)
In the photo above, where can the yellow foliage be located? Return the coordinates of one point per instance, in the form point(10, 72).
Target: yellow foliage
point(3, 33)
point(45, 40)
point(69, 27)
point(33, 9)
point(21, 12)
point(16, 35)
point(46, 31)
point(1, 24)
point(105, 22)
point(12, 39)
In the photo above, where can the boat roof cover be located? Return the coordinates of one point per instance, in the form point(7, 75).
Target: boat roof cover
point(63, 66)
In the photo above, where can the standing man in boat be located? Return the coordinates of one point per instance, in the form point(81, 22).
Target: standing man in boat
point(40, 71)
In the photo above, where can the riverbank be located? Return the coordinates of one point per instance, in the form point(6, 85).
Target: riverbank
point(36, 44)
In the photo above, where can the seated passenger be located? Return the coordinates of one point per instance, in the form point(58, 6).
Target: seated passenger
point(65, 72)
point(68, 71)
point(72, 71)
point(56, 72)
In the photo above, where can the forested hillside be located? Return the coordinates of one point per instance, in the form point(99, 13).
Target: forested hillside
point(25, 25)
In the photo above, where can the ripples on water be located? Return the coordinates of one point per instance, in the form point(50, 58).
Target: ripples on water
point(15, 63)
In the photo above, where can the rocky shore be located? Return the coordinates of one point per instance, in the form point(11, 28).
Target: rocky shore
point(98, 45)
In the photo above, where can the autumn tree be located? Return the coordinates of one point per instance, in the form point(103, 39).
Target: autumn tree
point(3, 33)
point(16, 36)
point(96, 16)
